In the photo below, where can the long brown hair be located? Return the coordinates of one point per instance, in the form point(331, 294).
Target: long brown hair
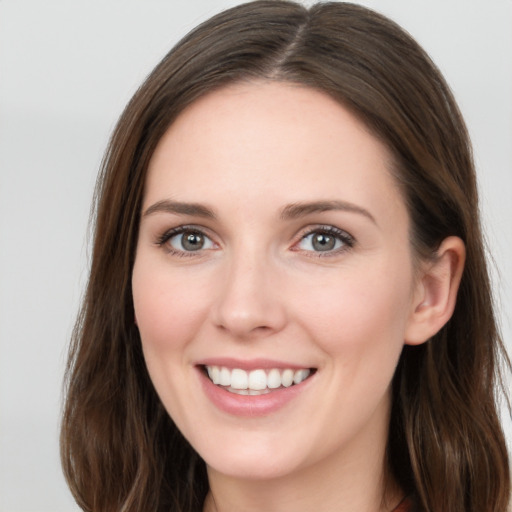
point(120, 449)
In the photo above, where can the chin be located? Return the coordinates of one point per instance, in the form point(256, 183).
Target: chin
point(253, 470)
point(255, 461)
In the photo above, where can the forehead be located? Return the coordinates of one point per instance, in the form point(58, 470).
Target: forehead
point(277, 140)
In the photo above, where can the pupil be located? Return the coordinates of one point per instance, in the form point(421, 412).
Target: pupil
point(192, 241)
point(322, 242)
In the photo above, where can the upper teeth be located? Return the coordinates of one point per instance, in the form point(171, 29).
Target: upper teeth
point(256, 380)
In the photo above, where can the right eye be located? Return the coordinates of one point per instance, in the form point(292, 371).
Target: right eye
point(186, 240)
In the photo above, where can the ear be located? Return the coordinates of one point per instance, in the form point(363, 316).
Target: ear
point(436, 292)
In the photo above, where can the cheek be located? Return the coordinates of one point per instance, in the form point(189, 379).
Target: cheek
point(169, 312)
point(359, 324)
point(361, 312)
point(169, 309)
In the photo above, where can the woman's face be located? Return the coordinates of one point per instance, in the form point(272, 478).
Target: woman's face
point(273, 281)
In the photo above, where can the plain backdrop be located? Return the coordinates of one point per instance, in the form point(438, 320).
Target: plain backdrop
point(67, 68)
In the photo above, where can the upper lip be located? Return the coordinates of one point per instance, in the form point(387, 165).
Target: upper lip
point(250, 364)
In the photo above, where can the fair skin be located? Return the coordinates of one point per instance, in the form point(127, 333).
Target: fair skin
point(273, 239)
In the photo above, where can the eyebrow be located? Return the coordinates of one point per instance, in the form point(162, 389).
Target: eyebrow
point(289, 212)
point(297, 210)
point(179, 208)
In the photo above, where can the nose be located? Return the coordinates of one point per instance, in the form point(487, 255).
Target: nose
point(250, 303)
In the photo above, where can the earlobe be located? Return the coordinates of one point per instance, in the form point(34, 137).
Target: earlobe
point(436, 292)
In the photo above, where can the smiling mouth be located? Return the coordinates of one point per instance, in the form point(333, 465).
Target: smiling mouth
point(256, 382)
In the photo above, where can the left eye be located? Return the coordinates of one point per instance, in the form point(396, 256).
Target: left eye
point(190, 241)
point(323, 241)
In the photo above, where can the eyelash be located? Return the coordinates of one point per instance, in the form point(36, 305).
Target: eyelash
point(163, 240)
point(345, 238)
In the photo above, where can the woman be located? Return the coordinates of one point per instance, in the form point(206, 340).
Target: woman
point(288, 304)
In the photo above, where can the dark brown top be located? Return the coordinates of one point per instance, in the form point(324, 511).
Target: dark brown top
point(404, 506)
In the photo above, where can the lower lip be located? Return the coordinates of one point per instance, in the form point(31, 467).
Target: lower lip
point(251, 405)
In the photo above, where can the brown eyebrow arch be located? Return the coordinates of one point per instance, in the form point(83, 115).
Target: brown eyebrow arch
point(296, 210)
point(289, 212)
point(176, 207)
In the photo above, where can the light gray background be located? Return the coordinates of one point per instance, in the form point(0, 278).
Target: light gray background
point(67, 68)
